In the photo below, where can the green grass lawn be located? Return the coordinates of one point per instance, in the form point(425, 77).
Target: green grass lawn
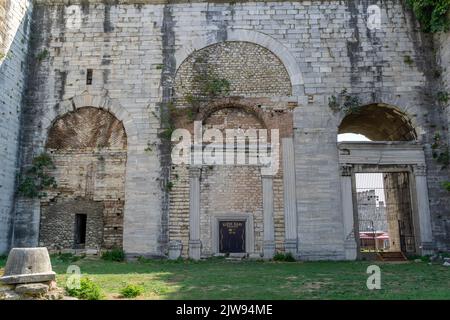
point(220, 279)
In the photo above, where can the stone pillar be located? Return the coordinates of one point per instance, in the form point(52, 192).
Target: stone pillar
point(290, 201)
point(194, 213)
point(347, 212)
point(423, 208)
point(269, 232)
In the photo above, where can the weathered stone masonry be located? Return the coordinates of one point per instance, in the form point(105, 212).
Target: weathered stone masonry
point(15, 17)
point(291, 56)
point(88, 149)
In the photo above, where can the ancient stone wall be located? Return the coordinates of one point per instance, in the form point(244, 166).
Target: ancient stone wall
point(134, 51)
point(15, 17)
point(124, 56)
point(442, 226)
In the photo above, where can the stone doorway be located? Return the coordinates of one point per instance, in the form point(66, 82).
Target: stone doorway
point(232, 236)
point(384, 216)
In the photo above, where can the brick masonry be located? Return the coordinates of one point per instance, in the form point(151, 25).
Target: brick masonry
point(136, 49)
point(226, 190)
point(88, 149)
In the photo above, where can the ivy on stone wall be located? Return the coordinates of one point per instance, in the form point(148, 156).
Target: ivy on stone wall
point(344, 102)
point(36, 178)
point(432, 14)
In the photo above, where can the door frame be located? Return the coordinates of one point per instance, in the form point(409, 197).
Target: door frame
point(385, 157)
point(247, 218)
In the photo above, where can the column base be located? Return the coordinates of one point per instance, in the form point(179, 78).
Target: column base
point(175, 249)
point(351, 250)
point(290, 246)
point(427, 248)
point(269, 249)
point(195, 249)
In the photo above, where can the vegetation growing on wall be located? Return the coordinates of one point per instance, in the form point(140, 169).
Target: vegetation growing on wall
point(432, 14)
point(36, 179)
point(441, 151)
point(41, 56)
point(446, 185)
point(344, 102)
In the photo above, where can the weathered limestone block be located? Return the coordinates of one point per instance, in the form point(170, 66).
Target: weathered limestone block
point(8, 293)
point(175, 249)
point(32, 289)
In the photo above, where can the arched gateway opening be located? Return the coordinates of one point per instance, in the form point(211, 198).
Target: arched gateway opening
point(85, 211)
point(377, 122)
point(380, 155)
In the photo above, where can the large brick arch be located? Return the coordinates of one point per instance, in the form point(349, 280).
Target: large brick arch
point(116, 210)
point(261, 39)
point(95, 101)
point(87, 128)
point(380, 122)
point(206, 112)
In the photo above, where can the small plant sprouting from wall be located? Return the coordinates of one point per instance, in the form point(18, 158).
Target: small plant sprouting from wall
point(432, 14)
point(206, 83)
point(344, 102)
point(41, 56)
point(169, 186)
point(446, 185)
point(36, 179)
point(211, 86)
point(408, 60)
point(441, 151)
point(443, 97)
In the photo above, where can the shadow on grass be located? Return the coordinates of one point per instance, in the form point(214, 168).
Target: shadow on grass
point(220, 279)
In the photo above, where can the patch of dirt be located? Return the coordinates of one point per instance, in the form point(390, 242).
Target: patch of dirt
point(313, 286)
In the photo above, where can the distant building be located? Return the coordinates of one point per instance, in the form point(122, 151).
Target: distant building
point(371, 212)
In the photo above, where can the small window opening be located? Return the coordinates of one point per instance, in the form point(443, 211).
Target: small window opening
point(89, 76)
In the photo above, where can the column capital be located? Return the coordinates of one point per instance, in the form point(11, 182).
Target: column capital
point(346, 170)
point(267, 176)
point(420, 169)
point(195, 171)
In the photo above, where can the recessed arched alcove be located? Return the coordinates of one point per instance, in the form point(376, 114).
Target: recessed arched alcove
point(88, 148)
point(378, 122)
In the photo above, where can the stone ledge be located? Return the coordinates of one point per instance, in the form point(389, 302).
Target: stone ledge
point(29, 278)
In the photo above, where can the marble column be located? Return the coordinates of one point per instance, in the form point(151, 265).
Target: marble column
point(194, 213)
point(423, 208)
point(350, 245)
point(269, 232)
point(290, 201)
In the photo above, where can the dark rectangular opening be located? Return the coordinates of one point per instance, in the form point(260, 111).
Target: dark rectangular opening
point(89, 76)
point(232, 236)
point(80, 230)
